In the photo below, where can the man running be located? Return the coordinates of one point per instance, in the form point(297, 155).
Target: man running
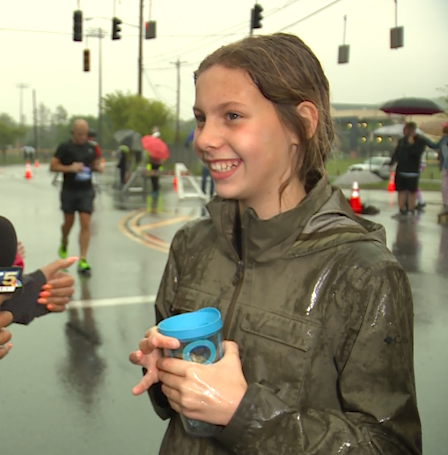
point(76, 159)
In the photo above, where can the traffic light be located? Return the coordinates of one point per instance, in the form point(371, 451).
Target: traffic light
point(77, 25)
point(150, 29)
point(256, 16)
point(116, 29)
point(86, 60)
point(344, 53)
point(396, 37)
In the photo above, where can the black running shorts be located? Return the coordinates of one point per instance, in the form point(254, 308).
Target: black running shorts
point(77, 201)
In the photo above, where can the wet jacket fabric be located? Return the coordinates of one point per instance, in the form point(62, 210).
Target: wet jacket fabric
point(323, 316)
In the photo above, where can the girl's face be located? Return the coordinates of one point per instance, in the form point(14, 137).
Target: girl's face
point(241, 139)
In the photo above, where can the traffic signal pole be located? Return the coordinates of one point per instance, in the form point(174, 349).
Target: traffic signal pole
point(100, 34)
point(140, 49)
point(100, 88)
point(251, 24)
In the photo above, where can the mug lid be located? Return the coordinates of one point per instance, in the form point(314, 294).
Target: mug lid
point(189, 326)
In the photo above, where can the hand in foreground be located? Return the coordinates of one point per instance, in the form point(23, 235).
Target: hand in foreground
point(150, 351)
point(210, 393)
point(21, 250)
point(58, 290)
point(5, 335)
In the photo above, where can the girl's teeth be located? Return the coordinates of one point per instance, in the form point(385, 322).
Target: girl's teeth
point(223, 167)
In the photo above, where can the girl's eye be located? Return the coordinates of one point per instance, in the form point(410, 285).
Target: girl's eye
point(200, 119)
point(233, 116)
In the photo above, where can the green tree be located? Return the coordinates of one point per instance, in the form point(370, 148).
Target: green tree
point(10, 132)
point(44, 123)
point(60, 116)
point(126, 110)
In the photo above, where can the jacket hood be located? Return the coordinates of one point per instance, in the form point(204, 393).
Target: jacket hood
point(323, 219)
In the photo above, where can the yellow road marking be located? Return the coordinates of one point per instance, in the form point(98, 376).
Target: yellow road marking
point(139, 233)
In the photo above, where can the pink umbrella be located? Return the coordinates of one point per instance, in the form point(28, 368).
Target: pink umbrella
point(156, 148)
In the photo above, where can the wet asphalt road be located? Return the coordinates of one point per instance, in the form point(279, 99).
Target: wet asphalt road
point(66, 385)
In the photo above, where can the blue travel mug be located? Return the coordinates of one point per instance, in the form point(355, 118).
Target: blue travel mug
point(199, 333)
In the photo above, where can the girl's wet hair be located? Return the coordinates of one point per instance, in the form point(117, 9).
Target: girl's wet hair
point(287, 73)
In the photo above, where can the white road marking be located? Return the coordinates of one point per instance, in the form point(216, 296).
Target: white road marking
point(113, 301)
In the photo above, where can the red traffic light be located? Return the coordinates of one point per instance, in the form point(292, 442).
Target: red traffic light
point(150, 30)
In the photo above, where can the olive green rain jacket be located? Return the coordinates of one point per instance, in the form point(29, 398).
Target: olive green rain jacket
point(323, 316)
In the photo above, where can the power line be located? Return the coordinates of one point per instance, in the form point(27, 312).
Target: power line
point(222, 34)
point(125, 35)
point(156, 92)
point(161, 68)
point(311, 15)
point(34, 31)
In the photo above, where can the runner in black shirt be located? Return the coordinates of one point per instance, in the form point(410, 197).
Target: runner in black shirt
point(77, 160)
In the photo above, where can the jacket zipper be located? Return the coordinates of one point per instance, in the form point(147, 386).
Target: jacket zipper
point(238, 282)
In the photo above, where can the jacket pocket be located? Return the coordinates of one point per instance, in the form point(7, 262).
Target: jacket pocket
point(291, 332)
point(277, 351)
point(188, 299)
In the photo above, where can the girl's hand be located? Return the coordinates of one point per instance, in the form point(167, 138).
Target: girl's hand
point(5, 335)
point(150, 351)
point(210, 393)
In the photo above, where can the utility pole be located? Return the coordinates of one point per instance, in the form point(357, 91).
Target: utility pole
point(36, 141)
point(140, 49)
point(100, 34)
point(178, 64)
point(21, 87)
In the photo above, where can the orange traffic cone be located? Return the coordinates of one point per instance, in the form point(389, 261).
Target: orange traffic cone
point(28, 174)
point(355, 200)
point(391, 185)
point(36, 163)
point(175, 183)
point(103, 161)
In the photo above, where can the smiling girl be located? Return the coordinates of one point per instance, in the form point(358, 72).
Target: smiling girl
point(318, 314)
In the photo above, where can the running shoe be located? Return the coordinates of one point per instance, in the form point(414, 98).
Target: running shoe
point(62, 251)
point(84, 267)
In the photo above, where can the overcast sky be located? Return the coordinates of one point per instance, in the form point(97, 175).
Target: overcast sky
point(51, 63)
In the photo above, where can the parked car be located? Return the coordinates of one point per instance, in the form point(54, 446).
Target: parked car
point(379, 165)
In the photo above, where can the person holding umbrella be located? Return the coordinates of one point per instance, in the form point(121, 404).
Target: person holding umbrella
point(158, 152)
point(122, 165)
point(407, 156)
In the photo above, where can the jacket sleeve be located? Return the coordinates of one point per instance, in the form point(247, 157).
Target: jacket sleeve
point(378, 412)
point(394, 158)
point(431, 144)
point(23, 305)
point(165, 298)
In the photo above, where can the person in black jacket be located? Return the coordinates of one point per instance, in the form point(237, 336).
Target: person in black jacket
point(408, 155)
point(43, 291)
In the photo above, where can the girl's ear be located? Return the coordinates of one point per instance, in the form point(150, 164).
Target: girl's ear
point(309, 112)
